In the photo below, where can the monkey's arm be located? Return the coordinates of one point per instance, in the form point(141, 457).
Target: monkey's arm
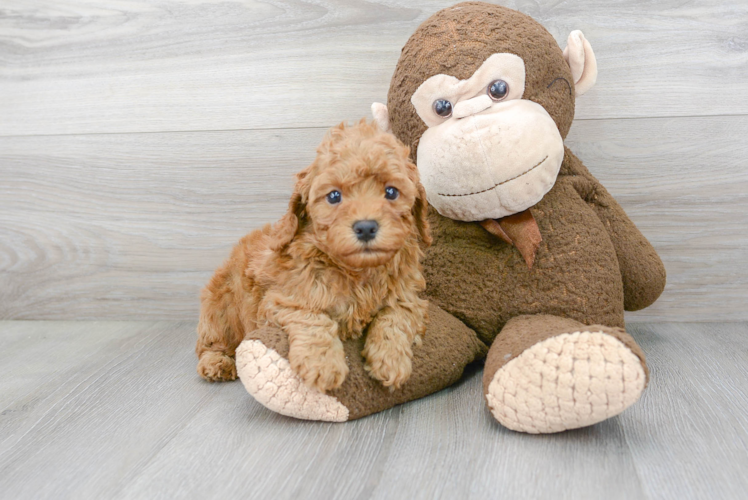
point(641, 268)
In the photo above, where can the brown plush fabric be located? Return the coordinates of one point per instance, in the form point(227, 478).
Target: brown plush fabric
point(456, 41)
point(273, 338)
point(591, 263)
point(642, 270)
point(484, 281)
point(523, 332)
point(448, 346)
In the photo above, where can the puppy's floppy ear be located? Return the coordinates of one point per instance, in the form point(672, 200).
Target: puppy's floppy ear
point(291, 224)
point(420, 208)
point(420, 213)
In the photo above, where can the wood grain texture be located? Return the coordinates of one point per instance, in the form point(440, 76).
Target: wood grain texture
point(684, 183)
point(90, 67)
point(694, 411)
point(131, 226)
point(115, 410)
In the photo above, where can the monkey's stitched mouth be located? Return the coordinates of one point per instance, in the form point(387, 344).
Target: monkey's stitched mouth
point(500, 183)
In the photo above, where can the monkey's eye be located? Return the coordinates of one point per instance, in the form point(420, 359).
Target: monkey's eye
point(391, 193)
point(498, 90)
point(334, 197)
point(443, 108)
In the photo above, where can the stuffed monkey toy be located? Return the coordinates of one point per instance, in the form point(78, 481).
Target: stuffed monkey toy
point(532, 263)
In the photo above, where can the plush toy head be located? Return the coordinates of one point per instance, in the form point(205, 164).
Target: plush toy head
point(484, 97)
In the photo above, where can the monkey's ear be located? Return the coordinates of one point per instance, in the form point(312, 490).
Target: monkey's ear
point(381, 116)
point(578, 53)
point(286, 229)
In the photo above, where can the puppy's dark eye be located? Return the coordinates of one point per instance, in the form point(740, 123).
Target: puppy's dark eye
point(443, 108)
point(391, 193)
point(334, 197)
point(498, 90)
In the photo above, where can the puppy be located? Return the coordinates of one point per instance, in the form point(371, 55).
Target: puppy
point(343, 261)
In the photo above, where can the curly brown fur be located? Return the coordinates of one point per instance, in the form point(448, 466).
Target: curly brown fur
point(311, 276)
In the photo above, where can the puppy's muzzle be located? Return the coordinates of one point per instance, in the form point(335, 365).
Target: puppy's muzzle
point(365, 230)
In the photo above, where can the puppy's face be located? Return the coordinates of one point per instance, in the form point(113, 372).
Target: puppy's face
point(362, 196)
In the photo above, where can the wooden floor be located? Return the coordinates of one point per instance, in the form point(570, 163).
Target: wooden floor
point(115, 410)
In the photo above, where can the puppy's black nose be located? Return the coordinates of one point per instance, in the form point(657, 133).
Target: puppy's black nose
point(366, 230)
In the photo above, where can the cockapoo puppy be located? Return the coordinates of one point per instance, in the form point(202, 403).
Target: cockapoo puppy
point(342, 262)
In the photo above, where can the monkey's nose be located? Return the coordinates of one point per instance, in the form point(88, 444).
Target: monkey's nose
point(471, 106)
point(366, 230)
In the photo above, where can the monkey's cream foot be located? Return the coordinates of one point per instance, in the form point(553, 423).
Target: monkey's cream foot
point(567, 380)
point(268, 377)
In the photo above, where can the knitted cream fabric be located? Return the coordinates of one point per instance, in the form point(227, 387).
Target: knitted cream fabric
point(565, 382)
point(269, 379)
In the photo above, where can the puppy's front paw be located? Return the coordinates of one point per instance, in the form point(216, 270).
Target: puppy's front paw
point(389, 362)
point(323, 368)
point(216, 367)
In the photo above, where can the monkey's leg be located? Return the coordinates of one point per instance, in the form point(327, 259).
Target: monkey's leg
point(549, 374)
point(262, 364)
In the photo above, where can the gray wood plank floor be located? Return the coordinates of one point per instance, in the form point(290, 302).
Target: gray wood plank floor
point(115, 410)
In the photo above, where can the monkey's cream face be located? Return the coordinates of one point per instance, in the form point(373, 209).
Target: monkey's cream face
point(487, 153)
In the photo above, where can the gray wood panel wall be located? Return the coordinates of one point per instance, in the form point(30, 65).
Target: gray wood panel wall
point(139, 140)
